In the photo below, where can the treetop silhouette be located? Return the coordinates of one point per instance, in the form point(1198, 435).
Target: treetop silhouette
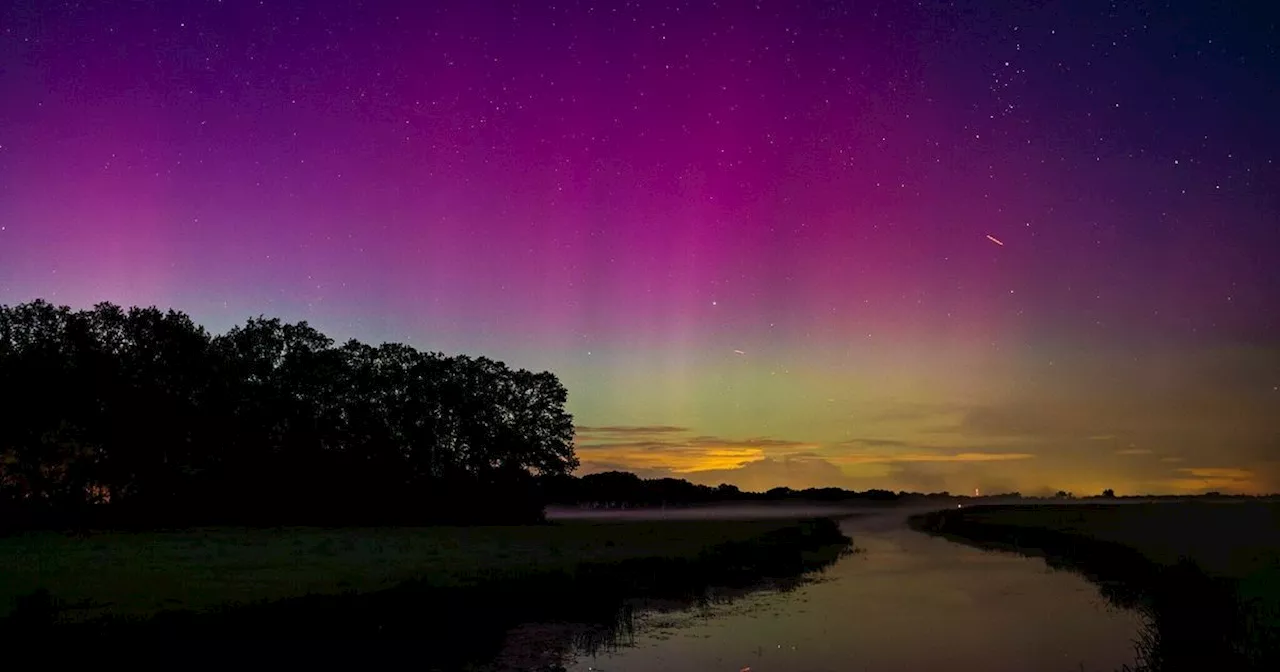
point(139, 416)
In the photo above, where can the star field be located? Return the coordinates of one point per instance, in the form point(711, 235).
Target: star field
point(873, 244)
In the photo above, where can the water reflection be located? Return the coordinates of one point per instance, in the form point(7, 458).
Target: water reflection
point(550, 646)
point(906, 602)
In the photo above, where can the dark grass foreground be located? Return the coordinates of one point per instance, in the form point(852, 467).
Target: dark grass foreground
point(463, 625)
point(1202, 575)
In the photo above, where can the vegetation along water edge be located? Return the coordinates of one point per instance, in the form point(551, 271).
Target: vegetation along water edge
point(470, 587)
point(1205, 576)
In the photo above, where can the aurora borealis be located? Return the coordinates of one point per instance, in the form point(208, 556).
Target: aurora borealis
point(1005, 245)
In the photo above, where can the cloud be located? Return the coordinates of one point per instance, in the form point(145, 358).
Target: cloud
point(629, 430)
point(1268, 472)
point(1171, 458)
point(1069, 419)
point(1222, 479)
point(930, 457)
point(920, 476)
point(758, 441)
point(796, 472)
point(763, 462)
point(875, 443)
point(1225, 473)
point(1186, 400)
point(1135, 451)
point(955, 477)
point(788, 471)
point(638, 448)
point(673, 458)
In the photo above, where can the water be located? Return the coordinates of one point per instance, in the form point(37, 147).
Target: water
point(907, 601)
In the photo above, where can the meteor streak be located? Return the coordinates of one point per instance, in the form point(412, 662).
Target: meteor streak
point(994, 240)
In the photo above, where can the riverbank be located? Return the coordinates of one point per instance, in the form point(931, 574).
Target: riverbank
point(1205, 575)
point(458, 590)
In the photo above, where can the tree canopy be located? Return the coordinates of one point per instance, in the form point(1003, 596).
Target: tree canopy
point(141, 415)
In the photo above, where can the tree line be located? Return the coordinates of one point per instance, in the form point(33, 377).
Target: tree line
point(140, 416)
point(623, 489)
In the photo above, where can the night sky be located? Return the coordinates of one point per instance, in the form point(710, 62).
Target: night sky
point(995, 245)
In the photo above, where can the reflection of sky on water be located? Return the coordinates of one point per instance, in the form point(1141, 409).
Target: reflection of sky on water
point(907, 602)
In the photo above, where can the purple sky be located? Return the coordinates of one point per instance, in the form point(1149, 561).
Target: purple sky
point(760, 228)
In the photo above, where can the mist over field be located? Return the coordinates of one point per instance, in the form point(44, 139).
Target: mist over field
point(718, 512)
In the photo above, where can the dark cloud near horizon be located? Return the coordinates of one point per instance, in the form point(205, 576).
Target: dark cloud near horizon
point(875, 443)
point(629, 429)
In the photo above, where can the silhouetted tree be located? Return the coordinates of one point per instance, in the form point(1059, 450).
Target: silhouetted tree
point(142, 416)
point(612, 488)
point(1109, 493)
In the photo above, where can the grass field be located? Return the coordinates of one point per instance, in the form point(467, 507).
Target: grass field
point(1236, 539)
point(1206, 573)
point(140, 574)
